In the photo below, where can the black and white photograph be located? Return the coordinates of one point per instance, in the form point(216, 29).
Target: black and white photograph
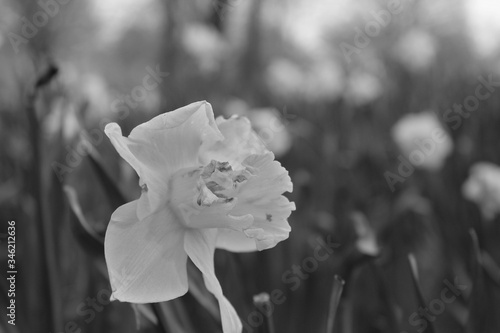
point(250, 166)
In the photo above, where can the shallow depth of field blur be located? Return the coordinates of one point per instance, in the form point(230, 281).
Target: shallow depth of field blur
point(324, 83)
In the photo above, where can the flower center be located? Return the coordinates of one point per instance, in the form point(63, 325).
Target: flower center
point(219, 183)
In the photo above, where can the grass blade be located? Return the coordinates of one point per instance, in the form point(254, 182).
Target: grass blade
point(418, 292)
point(89, 239)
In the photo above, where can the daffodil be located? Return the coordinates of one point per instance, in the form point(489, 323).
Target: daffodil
point(483, 188)
point(423, 140)
point(206, 184)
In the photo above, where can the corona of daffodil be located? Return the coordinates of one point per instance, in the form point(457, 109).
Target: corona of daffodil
point(206, 184)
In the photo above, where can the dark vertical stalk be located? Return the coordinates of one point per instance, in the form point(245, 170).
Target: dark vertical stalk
point(263, 302)
point(43, 228)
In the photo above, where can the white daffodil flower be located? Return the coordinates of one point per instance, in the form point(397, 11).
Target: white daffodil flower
point(205, 184)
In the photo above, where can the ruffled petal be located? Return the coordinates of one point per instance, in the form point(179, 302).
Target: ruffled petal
point(270, 222)
point(240, 141)
point(146, 259)
point(261, 196)
point(271, 178)
point(200, 245)
point(163, 145)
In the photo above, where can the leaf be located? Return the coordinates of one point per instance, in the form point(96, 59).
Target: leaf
point(113, 193)
point(83, 231)
point(418, 292)
point(490, 267)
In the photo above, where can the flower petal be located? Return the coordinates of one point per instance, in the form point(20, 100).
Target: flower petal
point(146, 259)
point(200, 245)
point(271, 181)
point(235, 241)
point(261, 197)
point(166, 143)
point(214, 217)
point(240, 141)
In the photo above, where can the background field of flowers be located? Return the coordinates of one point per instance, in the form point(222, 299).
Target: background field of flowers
point(323, 91)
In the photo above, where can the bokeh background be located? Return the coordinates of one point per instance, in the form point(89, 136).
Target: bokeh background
point(329, 86)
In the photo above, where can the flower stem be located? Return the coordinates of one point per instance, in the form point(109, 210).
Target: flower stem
point(263, 302)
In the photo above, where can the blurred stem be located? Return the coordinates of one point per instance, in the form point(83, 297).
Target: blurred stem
point(263, 302)
point(169, 54)
point(250, 72)
point(338, 286)
point(162, 323)
point(43, 227)
point(480, 315)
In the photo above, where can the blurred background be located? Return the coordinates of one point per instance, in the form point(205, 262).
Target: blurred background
point(385, 113)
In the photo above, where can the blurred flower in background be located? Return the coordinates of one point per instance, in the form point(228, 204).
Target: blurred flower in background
point(117, 18)
point(305, 24)
point(205, 45)
point(285, 78)
point(270, 125)
point(483, 26)
point(416, 49)
point(483, 188)
point(367, 238)
point(422, 139)
point(94, 89)
point(362, 88)
point(324, 80)
point(320, 80)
